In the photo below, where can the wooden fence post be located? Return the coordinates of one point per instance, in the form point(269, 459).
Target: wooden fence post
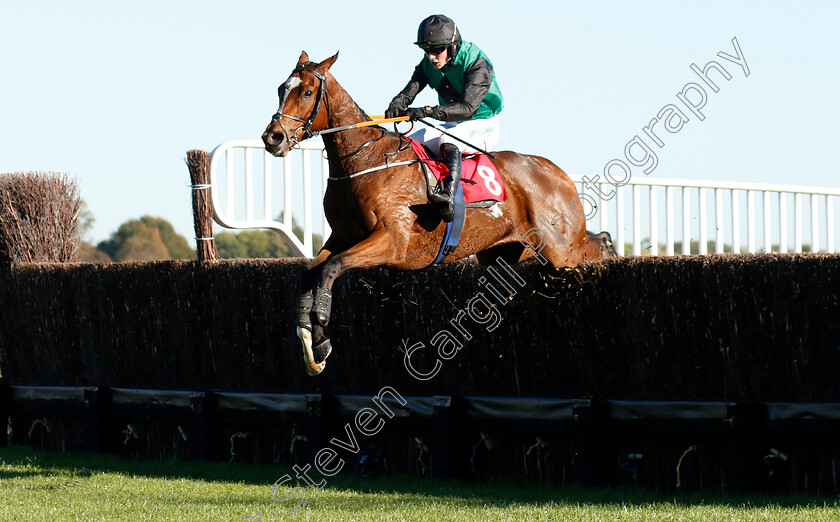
point(584, 473)
point(314, 424)
point(198, 427)
point(443, 438)
point(94, 400)
point(198, 162)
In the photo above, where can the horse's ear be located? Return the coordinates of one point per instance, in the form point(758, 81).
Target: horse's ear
point(326, 64)
point(303, 57)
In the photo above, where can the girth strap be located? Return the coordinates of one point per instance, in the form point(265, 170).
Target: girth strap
point(454, 227)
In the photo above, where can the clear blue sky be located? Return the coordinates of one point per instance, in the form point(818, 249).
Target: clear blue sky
point(115, 93)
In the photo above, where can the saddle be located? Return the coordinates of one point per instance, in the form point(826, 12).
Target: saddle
point(470, 193)
point(481, 182)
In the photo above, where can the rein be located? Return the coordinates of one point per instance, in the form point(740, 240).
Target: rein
point(363, 145)
point(387, 164)
point(323, 96)
point(374, 169)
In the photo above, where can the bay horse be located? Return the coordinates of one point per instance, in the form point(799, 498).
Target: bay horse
point(381, 216)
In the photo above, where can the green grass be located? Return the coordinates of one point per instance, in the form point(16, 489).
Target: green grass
point(56, 486)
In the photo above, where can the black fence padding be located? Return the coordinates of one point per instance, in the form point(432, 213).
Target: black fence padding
point(256, 408)
point(669, 446)
point(47, 400)
point(524, 414)
point(784, 420)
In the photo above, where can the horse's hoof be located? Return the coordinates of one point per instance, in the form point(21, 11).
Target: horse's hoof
point(313, 369)
point(322, 350)
point(316, 358)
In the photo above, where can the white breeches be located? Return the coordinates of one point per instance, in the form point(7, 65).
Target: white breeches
point(481, 133)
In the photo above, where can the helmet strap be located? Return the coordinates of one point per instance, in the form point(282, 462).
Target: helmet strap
point(451, 52)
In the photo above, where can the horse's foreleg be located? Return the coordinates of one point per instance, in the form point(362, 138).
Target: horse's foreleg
point(312, 357)
point(322, 301)
point(374, 250)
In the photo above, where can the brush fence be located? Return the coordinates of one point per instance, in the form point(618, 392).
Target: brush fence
point(695, 372)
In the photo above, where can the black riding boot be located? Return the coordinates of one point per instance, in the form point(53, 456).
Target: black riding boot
point(452, 160)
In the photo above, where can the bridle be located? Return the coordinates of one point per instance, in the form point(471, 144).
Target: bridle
point(321, 97)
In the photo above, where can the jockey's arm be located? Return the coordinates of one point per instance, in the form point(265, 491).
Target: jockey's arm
point(477, 80)
point(416, 84)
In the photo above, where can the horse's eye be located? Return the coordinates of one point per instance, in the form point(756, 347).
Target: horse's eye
point(307, 94)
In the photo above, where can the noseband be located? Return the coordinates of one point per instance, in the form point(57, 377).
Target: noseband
point(307, 124)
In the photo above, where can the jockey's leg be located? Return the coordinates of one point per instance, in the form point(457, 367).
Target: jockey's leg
point(481, 133)
point(452, 160)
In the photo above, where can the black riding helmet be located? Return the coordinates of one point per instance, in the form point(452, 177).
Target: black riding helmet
point(438, 31)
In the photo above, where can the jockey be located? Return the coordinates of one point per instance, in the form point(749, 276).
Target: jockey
point(469, 99)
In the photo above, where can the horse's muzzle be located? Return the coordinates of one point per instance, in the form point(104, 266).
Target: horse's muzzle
point(275, 142)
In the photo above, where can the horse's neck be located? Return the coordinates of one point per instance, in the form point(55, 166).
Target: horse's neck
point(340, 146)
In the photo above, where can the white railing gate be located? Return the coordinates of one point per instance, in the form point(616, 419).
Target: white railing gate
point(647, 216)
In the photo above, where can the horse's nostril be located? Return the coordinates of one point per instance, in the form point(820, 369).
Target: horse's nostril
point(273, 138)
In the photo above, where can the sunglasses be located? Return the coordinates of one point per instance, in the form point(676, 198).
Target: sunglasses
point(434, 50)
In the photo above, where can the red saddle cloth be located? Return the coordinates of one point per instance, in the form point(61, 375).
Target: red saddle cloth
point(487, 183)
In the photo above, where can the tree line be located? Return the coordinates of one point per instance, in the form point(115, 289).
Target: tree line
point(152, 238)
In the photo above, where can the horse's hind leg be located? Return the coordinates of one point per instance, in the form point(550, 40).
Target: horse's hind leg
point(565, 250)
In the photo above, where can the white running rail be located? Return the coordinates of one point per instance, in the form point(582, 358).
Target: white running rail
point(279, 195)
point(650, 216)
point(647, 216)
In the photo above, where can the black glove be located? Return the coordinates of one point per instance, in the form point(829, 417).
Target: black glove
point(415, 113)
point(393, 111)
